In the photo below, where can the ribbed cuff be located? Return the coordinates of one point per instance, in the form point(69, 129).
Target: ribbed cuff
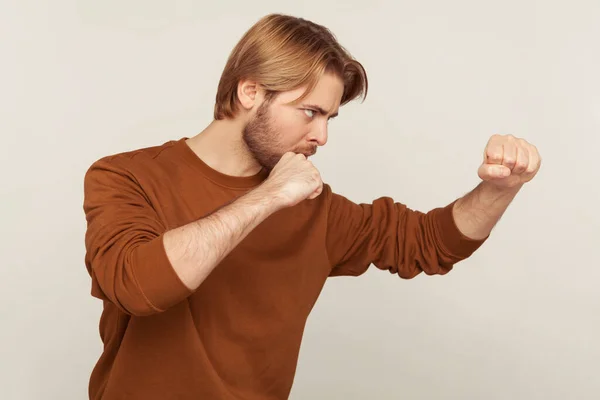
point(453, 240)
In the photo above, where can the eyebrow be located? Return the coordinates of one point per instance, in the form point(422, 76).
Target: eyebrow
point(320, 110)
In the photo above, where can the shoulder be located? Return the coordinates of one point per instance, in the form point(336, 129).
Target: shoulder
point(137, 163)
point(141, 156)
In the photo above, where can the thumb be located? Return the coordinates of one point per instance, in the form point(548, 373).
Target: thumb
point(316, 193)
point(493, 171)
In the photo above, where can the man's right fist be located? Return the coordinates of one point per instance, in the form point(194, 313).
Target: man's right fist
point(293, 179)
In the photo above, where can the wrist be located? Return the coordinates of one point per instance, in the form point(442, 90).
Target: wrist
point(267, 197)
point(493, 190)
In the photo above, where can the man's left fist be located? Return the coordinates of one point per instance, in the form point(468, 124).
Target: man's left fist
point(509, 161)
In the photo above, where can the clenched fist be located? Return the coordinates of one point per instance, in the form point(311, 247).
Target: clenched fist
point(293, 179)
point(509, 161)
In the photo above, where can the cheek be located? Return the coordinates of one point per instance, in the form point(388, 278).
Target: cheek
point(291, 129)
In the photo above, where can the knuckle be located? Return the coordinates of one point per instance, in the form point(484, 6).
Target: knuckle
point(494, 154)
point(535, 149)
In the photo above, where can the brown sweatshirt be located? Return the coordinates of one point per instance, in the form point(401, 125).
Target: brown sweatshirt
point(238, 335)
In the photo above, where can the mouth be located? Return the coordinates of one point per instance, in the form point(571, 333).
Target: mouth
point(311, 152)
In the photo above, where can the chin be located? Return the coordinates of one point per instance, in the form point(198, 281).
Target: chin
point(269, 162)
point(309, 153)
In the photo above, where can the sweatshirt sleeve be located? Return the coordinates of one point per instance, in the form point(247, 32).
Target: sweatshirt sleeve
point(393, 237)
point(125, 255)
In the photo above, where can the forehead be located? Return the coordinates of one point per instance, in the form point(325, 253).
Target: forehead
point(327, 93)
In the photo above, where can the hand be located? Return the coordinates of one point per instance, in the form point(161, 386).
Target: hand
point(509, 161)
point(293, 179)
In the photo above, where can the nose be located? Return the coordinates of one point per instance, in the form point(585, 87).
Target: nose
point(320, 134)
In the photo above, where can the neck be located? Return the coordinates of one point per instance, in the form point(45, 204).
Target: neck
point(220, 146)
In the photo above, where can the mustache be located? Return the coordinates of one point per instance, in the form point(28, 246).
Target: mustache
point(311, 151)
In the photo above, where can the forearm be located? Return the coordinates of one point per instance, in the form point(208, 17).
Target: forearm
point(195, 249)
point(477, 213)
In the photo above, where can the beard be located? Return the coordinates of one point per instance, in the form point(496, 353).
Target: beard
point(263, 140)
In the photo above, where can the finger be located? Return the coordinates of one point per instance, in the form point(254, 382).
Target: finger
point(493, 171)
point(522, 160)
point(509, 154)
point(285, 158)
point(493, 151)
point(534, 160)
point(319, 188)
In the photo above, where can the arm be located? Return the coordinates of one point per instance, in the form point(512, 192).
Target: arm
point(393, 237)
point(477, 213)
point(134, 261)
point(407, 242)
point(195, 249)
point(508, 163)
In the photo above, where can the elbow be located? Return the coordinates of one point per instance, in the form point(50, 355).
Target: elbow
point(129, 296)
point(140, 281)
point(122, 290)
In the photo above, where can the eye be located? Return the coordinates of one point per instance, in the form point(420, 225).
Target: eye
point(310, 113)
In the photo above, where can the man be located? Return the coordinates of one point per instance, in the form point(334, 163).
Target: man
point(210, 252)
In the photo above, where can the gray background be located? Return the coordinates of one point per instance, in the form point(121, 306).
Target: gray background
point(518, 320)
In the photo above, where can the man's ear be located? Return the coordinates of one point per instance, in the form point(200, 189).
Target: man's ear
point(249, 94)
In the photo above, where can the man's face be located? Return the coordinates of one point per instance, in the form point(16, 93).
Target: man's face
point(278, 127)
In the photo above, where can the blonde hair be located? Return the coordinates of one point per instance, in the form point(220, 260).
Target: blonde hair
point(282, 53)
